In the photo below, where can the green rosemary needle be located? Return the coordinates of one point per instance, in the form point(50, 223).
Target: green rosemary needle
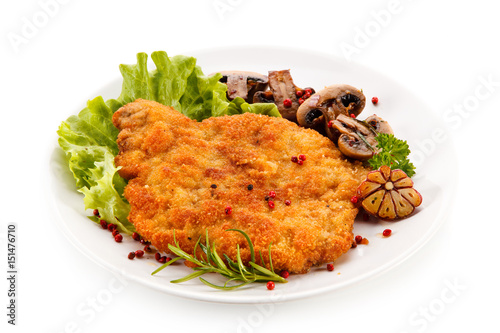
point(213, 263)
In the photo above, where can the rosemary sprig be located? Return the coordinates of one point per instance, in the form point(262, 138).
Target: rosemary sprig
point(213, 263)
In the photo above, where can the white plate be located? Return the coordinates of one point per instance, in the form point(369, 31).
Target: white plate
point(410, 119)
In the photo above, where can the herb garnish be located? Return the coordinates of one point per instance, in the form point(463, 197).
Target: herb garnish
point(393, 153)
point(213, 263)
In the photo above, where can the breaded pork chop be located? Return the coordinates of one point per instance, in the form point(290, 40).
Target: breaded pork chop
point(218, 174)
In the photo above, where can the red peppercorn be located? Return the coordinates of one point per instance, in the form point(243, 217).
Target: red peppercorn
point(104, 224)
point(147, 248)
point(157, 256)
point(330, 124)
point(354, 199)
point(284, 274)
point(228, 210)
point(271, 204)
point(270, 285)
point(374, 100)
point(358, 239)
point(145, 242)
point(387, 232)
point(301, 100)
point(308, 91)
point(288, 202)
point(299, 93)
point(96, 212)
point(162, 260)
point(272, 194)
point(136, 236)
point(139, 253)
point(329, 267)
point(302, 157)
point(118, 238)
point(287, 103)
point(131, 255)
point(115, 232)
point(300, 162)
point(307, 95)
point(295, 159)
point(353, 115)
point(111, 227)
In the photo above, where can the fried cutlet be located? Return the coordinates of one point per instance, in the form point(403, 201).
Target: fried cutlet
point(236, 172)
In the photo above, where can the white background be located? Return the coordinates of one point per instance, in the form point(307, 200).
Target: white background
point(439, 50)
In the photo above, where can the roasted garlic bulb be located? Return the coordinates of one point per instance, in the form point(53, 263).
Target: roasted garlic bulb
point(388, 194)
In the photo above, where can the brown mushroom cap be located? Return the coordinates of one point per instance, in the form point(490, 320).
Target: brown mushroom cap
point(379, 125)
point(243, 84)
point(357, 139)
point(328, 104)
point(282, 86)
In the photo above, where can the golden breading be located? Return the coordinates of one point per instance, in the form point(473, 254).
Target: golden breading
point(183, 175)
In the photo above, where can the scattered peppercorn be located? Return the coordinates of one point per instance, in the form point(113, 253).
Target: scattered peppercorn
point(136, 236)
point(228, 210)
point(131, 255)
point(358, 239)
point(300, 162)
point(302, 157)
point(272, 194)
point(213, 186)
point(287, 103)
point(308, 91)
point(145, 242)
point(270, 285)
point(288, 202)
point(329, 267)
point(354, 199)
point(139, 253)
point(250, 187)
point(271, 204)
point(96, 212)
point(353, 115)
point(301, 100)
point(284, 274)
point(374, 100)
point(148, 248)
point(104, 224)
point(111, 226)
point(118, 238)
point(299, 93)
point(387, 232)
point(354, 245)
point(157, 256)
point(294, 159)
point(162, 260)
point(115, 232)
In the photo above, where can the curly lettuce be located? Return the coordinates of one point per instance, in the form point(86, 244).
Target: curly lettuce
point(89, 138)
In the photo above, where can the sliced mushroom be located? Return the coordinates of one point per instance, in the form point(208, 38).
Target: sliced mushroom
point(282, 86)
point(243, 84)
point(327, 104)
point(379, 124)
point(357, 139)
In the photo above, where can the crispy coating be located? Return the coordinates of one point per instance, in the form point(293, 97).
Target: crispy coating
point(173, 165)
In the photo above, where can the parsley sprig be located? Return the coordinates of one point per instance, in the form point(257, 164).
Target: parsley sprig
point(213, 263)
point(393, 153)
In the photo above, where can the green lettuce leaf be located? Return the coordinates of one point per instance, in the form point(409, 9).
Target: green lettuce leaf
point(89, 139)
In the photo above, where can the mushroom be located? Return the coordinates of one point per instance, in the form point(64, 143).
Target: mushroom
point(243, 84)
point(379, 124)
point(327, 104)
point(357, 138)
point(284, 94)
